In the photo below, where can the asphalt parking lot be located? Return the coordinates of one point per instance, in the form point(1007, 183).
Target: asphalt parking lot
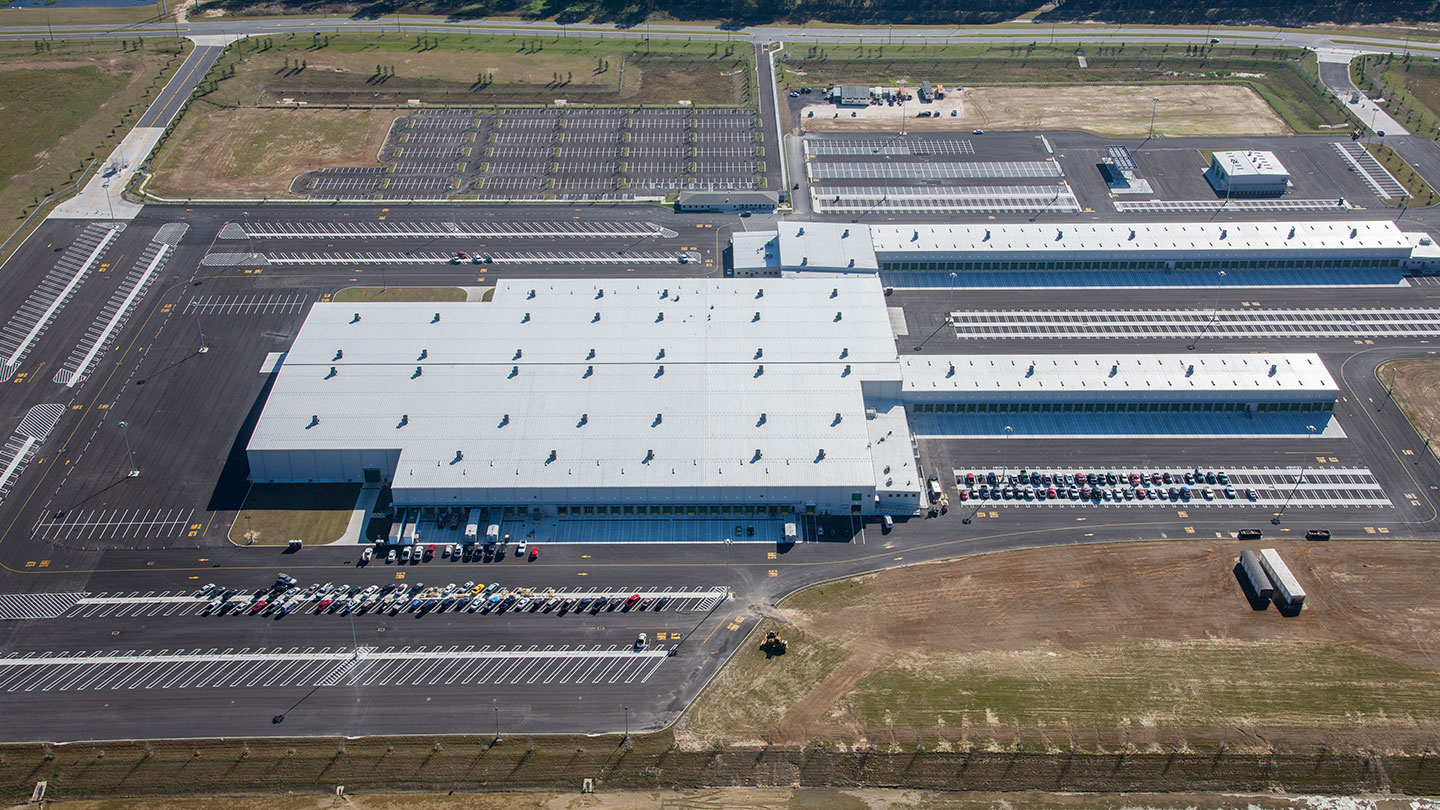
point(580, 154)
point(934, 176)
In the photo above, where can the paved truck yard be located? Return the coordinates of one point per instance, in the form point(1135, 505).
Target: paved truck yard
point(930, 176)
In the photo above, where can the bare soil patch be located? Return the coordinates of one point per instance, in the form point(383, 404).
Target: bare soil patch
point(1140, 642)
point(1416, 387)
point(1116, 110)
point(219, 152)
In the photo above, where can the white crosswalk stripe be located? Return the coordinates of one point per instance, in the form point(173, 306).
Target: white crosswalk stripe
point(36, 605)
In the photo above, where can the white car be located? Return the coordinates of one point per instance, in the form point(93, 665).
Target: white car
point(390, 558)
point(640, 642)
point(520, 548)
point(366, 555)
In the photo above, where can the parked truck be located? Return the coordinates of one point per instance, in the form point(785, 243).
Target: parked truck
point(1288, 592)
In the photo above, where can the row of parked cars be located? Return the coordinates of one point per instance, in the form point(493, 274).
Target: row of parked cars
point(1110, 486)
point(285, 597)
point(456, 552)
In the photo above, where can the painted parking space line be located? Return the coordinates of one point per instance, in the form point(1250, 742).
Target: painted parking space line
point(1186, 323)
point(888, 146)
point(1322, 487)
point(276, 304)
point(1207, 206)
point(93, 524)
point(427, 257)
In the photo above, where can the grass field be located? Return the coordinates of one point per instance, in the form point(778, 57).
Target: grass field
point(390, 69)
point(67, 103)
point(733, 798)
point(273, 514)
point(1277, 75)
point(1421, 193)
point(216, 152)
point(1415, 384)
point(97, 15)
point(303, 773)
point(391, 295)
point(1170, 649)
point(1410, 89)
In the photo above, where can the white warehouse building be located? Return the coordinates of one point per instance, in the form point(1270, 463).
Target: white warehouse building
point(561, 394)
point(1247, 173)
point(925, 254)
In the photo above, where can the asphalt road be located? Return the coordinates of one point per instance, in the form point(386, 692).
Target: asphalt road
point(177, 91)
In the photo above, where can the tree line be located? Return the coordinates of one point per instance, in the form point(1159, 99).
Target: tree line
point(875, 12)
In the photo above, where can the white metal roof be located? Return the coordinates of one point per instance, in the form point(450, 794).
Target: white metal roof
point(754, 251)
point(1250, 163)
point(1113, 377)
point(478, 395)
point(1141, 240)
point(820, 246)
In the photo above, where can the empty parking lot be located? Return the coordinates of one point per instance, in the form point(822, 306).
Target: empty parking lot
point(562, 153)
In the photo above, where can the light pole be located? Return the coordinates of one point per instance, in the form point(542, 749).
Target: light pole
point(1005, 455)
point(1214, 312)
point(1154, 103)
point(627, 721)
point(195, 308)
point(1301, 477)
point(458, 180)
point(249, 244)
point(111, 205)
point(497, 725)
point(125, 433)
point(728, 543)
point(950, 307)
point(354, 639)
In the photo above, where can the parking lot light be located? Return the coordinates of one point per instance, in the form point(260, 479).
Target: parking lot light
point(195, 309)
point(728, 543)
point(125, 433)
point(1310, 429)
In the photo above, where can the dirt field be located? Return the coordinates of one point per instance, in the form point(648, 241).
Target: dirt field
point(748, 799)
point(217, 152)
point(1116, 110)
point(1416, 386)
point(1140, 643)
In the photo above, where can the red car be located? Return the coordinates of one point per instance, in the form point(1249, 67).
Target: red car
point(258, 606)
point(629, 603)
point(534, 553)
point(324, 603)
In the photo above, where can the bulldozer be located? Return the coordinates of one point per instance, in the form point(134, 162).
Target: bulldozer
point(774, 645)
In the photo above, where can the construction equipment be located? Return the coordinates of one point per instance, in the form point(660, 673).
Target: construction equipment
point(774, 644)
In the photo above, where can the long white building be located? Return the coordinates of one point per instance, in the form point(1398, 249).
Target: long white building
point(688, 397)
point(569, 393)
point(1163, 247)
